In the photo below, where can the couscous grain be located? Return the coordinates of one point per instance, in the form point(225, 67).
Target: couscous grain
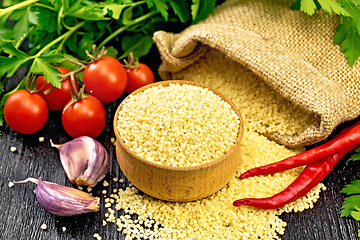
point(263, 110)
point(105, 183)
point(43, 226)
point(178, 125)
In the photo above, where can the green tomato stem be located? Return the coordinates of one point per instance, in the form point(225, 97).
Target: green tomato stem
point(10, 9)
point(120, 30)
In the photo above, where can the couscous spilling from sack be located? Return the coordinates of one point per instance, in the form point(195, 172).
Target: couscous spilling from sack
point(215, 217)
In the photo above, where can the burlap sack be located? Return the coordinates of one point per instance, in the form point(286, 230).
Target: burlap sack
point(293, 52)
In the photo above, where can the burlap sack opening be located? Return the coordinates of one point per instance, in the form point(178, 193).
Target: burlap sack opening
point(291, 51)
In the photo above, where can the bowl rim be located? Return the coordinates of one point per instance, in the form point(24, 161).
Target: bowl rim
point(186, 168)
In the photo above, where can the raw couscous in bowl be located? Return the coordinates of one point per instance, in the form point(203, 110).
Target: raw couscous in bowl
point(178, 140)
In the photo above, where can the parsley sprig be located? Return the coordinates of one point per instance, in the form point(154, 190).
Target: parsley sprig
point(351, 203)
point(347, 35)
point(41, 33)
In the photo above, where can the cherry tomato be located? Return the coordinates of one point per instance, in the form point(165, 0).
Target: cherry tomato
point(25, 112)
point(138, 77)
point(57, 97)
point(106, 78)
point(85, 117)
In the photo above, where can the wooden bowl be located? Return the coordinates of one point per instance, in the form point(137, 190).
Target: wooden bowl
point(179, 184)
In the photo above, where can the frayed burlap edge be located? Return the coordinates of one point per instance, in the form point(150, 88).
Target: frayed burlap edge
point(286, 72)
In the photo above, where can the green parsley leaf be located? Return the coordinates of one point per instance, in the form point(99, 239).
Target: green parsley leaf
point(161, 6)
point(85, 43)
point(349, 40)
point(353, 188)
point(9, 66)
point(351, 203)
point(181, 10)
point(354, 12)
point(12, 50)
point(87, 10)
point(51, 74)
point(138, 44)
point(26, 18)
point(113, 9)
point(111, 51)
point(201, 9)
point(52, 57)
point(47, 20)
point(308, 6)
point(355, 156)
point(295, 5)
point(333, 6)
point(356, 214)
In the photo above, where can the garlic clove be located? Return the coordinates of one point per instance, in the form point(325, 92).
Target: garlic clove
point(61, 200)
point(85, 160)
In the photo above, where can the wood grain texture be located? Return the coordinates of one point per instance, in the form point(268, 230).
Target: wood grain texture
point(22, 216)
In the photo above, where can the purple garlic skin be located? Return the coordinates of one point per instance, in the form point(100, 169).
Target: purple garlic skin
point(85, 160)
point(61, 200)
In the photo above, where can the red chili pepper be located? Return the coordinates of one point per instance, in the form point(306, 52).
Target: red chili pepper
point(347, 140)
point(312, 175)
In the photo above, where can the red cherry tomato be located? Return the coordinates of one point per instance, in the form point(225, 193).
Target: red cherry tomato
point(25, 112)
point(57, 97)
point(138, 77)
point(85, 117)
point(106, 78)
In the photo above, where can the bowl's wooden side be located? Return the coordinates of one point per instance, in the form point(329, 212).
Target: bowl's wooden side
point(179, 184)
point(173, 185)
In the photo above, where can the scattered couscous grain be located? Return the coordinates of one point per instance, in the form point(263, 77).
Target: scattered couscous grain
point(104, 192)
point(263, 110)
point(112, 140)
point(41, 139)
point(105, 183)
point(115, 179)
point(89, 189)
point(178, 125)
point(11, 184)
point(13, 149)
point(43, 226)
point(121, 180)
point(80, 187)
point(64, 229)
point(97, 236)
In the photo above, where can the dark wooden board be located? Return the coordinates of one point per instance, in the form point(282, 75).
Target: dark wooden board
point(22, 216)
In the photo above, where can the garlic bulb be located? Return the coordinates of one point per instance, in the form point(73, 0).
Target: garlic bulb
point(61, 200)
point(84, 160)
